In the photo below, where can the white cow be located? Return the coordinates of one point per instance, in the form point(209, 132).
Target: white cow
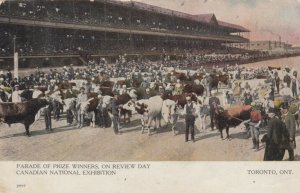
point(169, 113)
point(84, 110)
point(149, 109)
point(70, 106)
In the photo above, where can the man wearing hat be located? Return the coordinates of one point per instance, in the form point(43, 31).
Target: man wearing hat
point(255, 120)
point(16, 95)
point(277, 135)
point(190, 115)
point(290, 124)
point(178, 88)
point(213, 102)
point(82, 97)
point(115, 112)
point(36, 92)
point(147, 94)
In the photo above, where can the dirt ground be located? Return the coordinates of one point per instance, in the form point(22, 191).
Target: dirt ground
point(67, 143)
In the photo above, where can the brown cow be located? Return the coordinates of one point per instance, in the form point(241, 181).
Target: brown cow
point(273, 68)
point(219, 78)
point(24, 112)
point(180, 99)
point(193, 88)
point(65, 85)
point(231, 117)
point(106, 91)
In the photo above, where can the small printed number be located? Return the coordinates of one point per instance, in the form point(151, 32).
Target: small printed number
point(21, 185)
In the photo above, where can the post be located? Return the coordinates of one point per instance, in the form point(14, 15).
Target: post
point(16, 60)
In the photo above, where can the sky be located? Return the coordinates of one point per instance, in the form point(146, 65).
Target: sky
point(266, 19)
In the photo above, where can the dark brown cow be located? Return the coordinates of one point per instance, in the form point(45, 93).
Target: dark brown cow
point(111, 83)
point(66, 85)
point(107, 91)
point(107, 83)
point(231, 117)
point(180, 99)
point(21, 112)
point(181, 76)
point(193, 88)
point(273, 68)
point(219, 78)
point(122, 100)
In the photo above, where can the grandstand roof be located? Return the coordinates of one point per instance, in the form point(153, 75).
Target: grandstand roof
point(203, 18)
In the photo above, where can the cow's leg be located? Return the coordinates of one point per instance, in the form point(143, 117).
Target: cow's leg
point(93, 119)
point(27, 130)
point(204, 121)
point(75, 115)
point(111, 118)
point(221, 132)
point(173, 129)
point(143, 125)
point(227, 132)
point(149, 124)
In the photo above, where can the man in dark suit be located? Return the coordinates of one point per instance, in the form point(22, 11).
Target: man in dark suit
point(190, 116)
point(290, 124)
point(214, 101)
point(115, 113)
point(277, 136)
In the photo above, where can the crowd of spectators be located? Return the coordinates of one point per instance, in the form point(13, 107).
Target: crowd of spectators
point(97, 13)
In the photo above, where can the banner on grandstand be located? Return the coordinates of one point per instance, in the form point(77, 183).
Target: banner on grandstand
point(16, 65)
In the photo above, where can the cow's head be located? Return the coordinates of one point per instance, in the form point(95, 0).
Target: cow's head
point(133, 94)
point(69, 103)
point(168, 111)
point(105, 102)
point(219, 110)
point(130, 106)
point(84, 106)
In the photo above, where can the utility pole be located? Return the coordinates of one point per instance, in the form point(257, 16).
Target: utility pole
point(16, 59)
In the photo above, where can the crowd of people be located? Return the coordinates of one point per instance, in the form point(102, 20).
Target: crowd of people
point(96, 13)
point(274, 103)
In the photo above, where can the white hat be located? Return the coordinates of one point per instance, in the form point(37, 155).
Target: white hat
point(214, 92)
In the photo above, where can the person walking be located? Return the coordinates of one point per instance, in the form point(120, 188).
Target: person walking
point(190, 115)
point(290, 124)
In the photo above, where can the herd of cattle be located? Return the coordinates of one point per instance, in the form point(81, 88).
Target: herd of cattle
point(157, 105)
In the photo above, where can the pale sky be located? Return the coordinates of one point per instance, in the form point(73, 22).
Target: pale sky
point(266, 19)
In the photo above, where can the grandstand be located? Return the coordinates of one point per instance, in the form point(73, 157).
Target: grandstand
point(60, 32)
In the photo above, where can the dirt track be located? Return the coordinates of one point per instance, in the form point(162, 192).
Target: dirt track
point(98, 144)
